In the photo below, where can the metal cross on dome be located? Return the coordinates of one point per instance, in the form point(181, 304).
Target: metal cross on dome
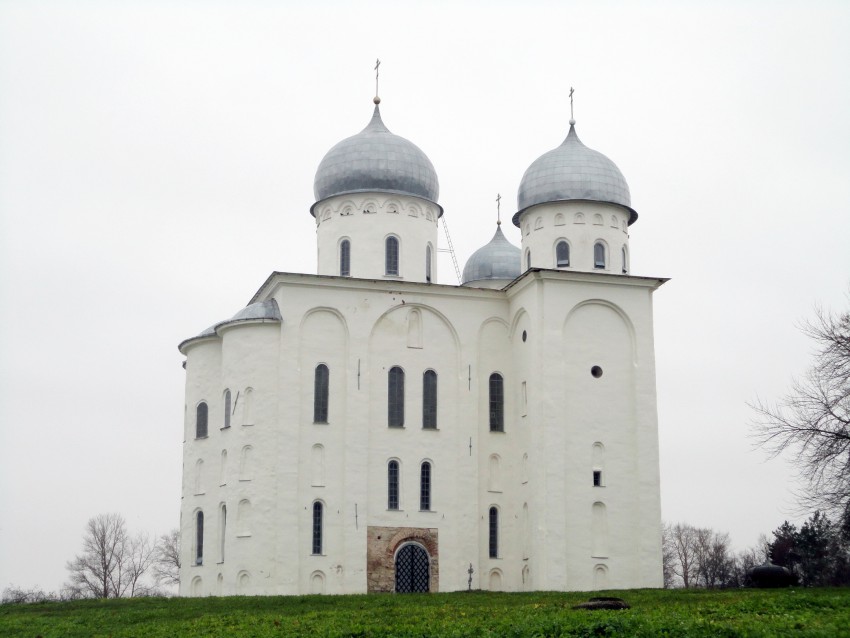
point(498, 209)
point(572, 90)
point(377, 71)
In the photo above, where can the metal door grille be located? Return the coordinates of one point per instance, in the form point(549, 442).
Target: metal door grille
point(412, 570)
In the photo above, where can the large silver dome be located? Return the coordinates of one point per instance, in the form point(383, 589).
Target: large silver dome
point(376, 160)
point(499, 259)
point(573, 171)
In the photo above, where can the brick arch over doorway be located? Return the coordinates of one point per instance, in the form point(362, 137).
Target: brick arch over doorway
point(382, 544)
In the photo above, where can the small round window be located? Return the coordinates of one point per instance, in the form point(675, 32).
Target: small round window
point(596, 371)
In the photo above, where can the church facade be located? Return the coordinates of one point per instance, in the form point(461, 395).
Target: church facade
point(366, 429)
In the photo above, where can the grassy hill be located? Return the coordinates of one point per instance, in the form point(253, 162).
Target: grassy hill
point(691, 613)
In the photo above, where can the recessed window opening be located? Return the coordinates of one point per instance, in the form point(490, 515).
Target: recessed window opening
point(222, 534)
point(597, 478)
point(562, 254)
point(201, 414)
point(599, 255)
point(524, 398)
point(391, 256)
point(199, 538)
point(227, 408)
point(317, 527)
point(596, 371)
point(524, 335)
point(494, 532)
point(392, 485)
point(625, 261)
point(497, 403)
point(395, 392)
point(428, 264)
point(429, 399)
point(320, 394)
point(425, 487)
point(528, 260)
point(345, 258)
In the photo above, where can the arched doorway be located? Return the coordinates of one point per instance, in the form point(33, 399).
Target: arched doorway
point(412, 570)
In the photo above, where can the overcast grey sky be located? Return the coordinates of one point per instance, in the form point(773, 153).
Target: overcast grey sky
point(157, 162)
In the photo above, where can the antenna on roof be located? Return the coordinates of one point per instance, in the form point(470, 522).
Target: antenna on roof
point(377, 100)
point(450, 249)
point(498, 209)
point(572, 118)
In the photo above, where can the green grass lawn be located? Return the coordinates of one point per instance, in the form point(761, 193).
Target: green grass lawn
point(787, 612)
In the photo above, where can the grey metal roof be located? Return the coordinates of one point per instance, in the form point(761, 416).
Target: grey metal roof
point(499, 259)
point(262, 310)
point(573, 172)
point(376, 160)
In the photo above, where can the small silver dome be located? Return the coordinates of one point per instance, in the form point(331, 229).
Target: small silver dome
point(376, 160)
point(499, 259)
point(262, 310)
point(266, 310)
point(573, 171)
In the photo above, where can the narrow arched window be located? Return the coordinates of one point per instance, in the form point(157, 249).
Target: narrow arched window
point(528, 260)
point(428, 264)
point(199, 538)
point(395, 402)
point(227, 408)
point(562, 254)
point(222, 532)
point(345, 258)
point(320, 394)
point(392, 485)
point(494, 532)
point(625, 260)
point(429, 399)
point(201, 420)
point(599, 255)
point(425, 487)
point(497, 403)
point(392, 256)
point(317, 527)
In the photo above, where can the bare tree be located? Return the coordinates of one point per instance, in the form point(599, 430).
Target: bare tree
point(668, 556)
point(112, 563)
point(683, 547)
point(714, 563)
point(813, 421)
point(138, 559)
point(97, 571)
point(696, 557)
point(166, 567)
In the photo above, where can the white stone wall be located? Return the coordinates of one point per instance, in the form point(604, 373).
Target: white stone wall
point(538, 472)
point(366, 220)
point(581, 224)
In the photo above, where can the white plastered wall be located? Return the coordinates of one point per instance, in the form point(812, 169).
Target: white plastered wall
point(366, 220)
point(582, 224)
point(360, 329)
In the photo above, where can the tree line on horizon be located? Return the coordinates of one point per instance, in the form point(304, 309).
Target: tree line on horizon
point(817, 554)
point(114, 563)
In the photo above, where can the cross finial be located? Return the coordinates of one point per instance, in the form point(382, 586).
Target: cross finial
point(498, 209)
point(572, 117)
point(377, 99)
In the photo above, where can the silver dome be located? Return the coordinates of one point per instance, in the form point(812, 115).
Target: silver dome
point(375, 160)
point(499, 259)
point(573, 172)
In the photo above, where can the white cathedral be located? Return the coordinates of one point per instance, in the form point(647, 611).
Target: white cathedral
point(365, 429)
